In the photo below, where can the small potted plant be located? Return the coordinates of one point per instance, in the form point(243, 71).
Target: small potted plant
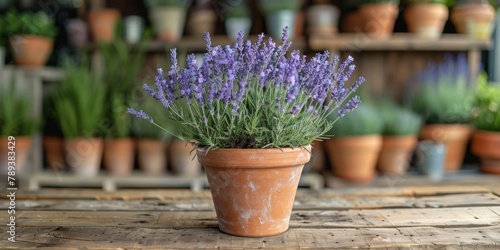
point(252, 113)
point(322, 19)
point(168, 18)
point(202, 18)
point(103, 23)
point(17, 127)
point(31, 37)
point(443, 95)
point(486, 121)
point(79, 103)
point(237, 17)
point(354, 150)
point(399, 138)
point(474, 17)
point(379, 16)
point(426, 18)
point(280, 14)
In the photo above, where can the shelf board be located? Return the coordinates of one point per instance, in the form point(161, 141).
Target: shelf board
point(398, 42)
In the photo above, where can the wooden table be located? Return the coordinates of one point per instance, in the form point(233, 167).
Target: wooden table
point(425, 217)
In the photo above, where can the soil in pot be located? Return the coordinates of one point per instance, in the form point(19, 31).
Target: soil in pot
point(22, 147)
point(455, 138)
point(354, 158)
point(253, 189)
point(182, 158)
point(395, 154)
point(379, 18)
point(426, 20)
point(103, 23)
point(486, 145)
point(119, 156)
point(83, 155)
point(31, 51)
point(152, 156)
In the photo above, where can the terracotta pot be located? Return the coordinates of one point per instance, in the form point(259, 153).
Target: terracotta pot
point(317, 162)
point(454, 136)
point(83, 155)
point(426, 20)
point(119, 156)
point(253, 189)
point(477, 20)
point(202, 21)
point(379, 18)
point(168, 23)
point(152, 156)
point(183, 158)
point(21, 146)
point(353, 22)
point(103, 23)
point(354, 158)
point(395, 154)
point(486, 145)
point(54, 152)
point(322, 19)
point(31, 51)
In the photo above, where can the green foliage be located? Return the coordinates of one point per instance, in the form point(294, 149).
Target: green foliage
point(269, 6)
point(79, 102)
point(16, 116)
point(121, 121)
point(364, 120)
point(398, 121)
point(378, 1)
point(236, 8)
point(444, 2)
point(486, 112)
point(36, 24)
point(167, 3)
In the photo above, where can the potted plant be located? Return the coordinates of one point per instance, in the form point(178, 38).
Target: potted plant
point(121, 68)
point(202, 18)
point(426, 18)
point(78, 103)
point(31, 37)
point(17, 127)
point(354, 150)
point(322, 19)
point(280, 14)
point(443, 95)
point(399, 138)
point(379, 16)
point(474, 17)
point(237, 17)
point(168, 18)
point(252, 123)
point(103, 23)
point(486, 120)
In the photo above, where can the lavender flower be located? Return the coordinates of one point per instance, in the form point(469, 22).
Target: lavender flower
point(139, 114)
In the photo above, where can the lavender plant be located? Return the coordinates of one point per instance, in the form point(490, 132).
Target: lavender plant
point(253, 95)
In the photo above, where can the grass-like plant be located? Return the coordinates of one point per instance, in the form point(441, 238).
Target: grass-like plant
point(16, 118)
point(486, 112)
point(252, 95)
point(79, 102)
point(26, 23)
point(398, 121)
point(442, 93)
point(364, 120)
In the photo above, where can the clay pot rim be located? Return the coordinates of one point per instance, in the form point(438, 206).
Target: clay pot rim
point(31, 37)
point(260, 150)
point(485, 133)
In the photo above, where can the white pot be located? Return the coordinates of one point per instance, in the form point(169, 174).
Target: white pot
point(237, 24)
point(278, 20)
point(323, 19)
point(168, 22)
point(133, 27)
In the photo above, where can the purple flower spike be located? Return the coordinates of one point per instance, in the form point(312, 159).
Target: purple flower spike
point(139, 114)
point(350, 106)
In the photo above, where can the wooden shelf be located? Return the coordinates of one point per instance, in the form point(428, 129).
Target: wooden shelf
point(398, 42)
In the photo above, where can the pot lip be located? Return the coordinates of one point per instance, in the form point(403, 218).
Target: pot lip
point(486, 132)
point(81, 138)
point(262, 150)
point(30, 37)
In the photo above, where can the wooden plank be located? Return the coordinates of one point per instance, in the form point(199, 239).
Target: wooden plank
point(301, 203)
point(62, 237)
point(397, 42)
point(387, 218)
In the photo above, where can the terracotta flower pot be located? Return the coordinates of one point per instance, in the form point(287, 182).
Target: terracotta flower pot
point(83, 155)
point(454, 136)
point(103, 23)
point(426, 20)
point(317, 162)
point(22, 147)
point(477, 20)
point(168, 23)
point(379, 18)
point(354, 158)
point(395, 154)
point(31, 51)
point(119, 156)
point(353, 22)
point(202, 21)
point(486, 145)
point(54, 152)
point(183, 158)
point(253, 189)
point(152, 156)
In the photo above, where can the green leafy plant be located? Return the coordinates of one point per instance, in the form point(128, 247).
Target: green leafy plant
point(397, 120)
point(16, 116)
point(36, 24)
point(167, 3)
point(486, 112)
point(236, 8)
point(364, 120)
point(442, 93)
point(79, 102)
point(269, 6)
